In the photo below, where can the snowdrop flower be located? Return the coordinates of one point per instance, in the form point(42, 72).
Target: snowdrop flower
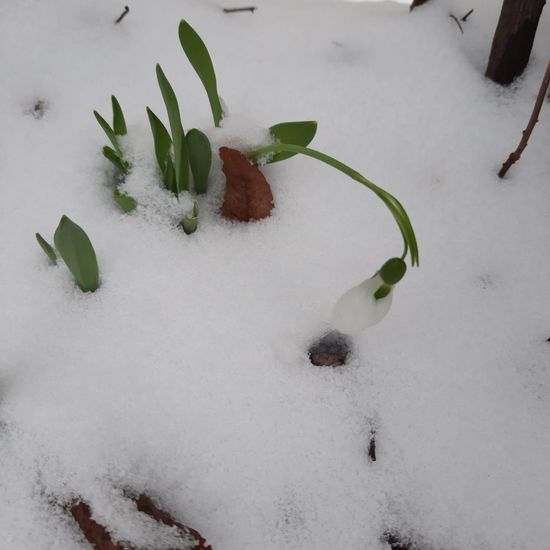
point(369, 302)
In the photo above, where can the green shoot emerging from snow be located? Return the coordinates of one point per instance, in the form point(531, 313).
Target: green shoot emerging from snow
point(126, 203)
point(180, 154)
point(200, 159)
point(76, 250)
point(191, 220)
point(47, 248)
point(114, 154)
point(198, 56)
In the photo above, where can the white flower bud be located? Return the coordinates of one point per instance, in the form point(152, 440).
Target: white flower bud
point(358, 309)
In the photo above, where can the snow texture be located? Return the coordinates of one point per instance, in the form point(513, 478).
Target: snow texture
point(186, 374)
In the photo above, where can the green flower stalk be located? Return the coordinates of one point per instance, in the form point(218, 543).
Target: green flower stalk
point(398, 212)
point(369, 302)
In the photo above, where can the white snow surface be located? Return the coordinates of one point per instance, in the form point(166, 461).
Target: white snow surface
point(186, 374)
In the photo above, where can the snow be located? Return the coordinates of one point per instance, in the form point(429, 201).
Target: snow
point(186, 374)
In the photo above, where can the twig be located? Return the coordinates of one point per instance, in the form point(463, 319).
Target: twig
point(251, 9)
point(122, 15)
point(526, 134)
point(372, 446)
point(454, 18)
point(464, 17)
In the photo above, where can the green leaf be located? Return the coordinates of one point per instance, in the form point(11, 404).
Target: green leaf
point(77, 252)
point(161, 138)
point(181, 158)
point(200, 158)
point(119, 124)
point(111, 155)
point(169, 176)
point(124, 201)
point(191, 220)
point(294, 133)
point(47, 248)
point(109, 132)
point(198, 55)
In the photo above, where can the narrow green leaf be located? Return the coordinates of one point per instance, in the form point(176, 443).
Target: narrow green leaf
point(161, 138)
point(294, 133)
point(119, 124)
point(109, 132)
point(198, 55)
point(169, 176)
point(124, 201)
point(181, 157)
point(111, 155)
point(191, 220)
point(47, 248)
point(77, 252)
point(200, 158)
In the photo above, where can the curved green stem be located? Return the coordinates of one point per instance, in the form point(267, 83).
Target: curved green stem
point(394, 206)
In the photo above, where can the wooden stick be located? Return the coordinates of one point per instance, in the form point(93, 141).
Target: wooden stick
point(122, 15)
point(465, 16)
point(235, 10)
point(455, 19)
point(515, 155)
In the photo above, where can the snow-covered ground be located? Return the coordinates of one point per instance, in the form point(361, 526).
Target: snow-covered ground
point(186, 374)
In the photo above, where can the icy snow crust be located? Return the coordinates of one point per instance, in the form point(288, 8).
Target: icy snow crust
point(186, 375)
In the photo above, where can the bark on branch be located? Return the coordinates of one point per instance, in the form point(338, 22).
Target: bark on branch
point(515, 155)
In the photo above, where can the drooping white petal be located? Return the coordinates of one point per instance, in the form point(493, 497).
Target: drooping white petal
point(358, 309)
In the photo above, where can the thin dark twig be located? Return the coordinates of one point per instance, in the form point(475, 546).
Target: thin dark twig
point(122, 15)
point(453, 17)
point(526, 134)
point(464, 17)
point(417, 3)
point(251, 9)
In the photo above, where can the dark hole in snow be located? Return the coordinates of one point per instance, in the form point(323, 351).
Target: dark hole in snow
point(38, 108)
point(396, 542)
point(486, 281)
point(332, 350)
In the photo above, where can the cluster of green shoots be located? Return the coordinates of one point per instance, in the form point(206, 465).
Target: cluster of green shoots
point(182, 154)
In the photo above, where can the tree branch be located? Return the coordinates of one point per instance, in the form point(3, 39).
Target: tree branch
point(515, 155)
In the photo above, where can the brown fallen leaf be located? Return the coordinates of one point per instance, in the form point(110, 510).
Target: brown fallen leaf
point(95, 533)
point(145, 504)
point(247, 194)
point(100, 539)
